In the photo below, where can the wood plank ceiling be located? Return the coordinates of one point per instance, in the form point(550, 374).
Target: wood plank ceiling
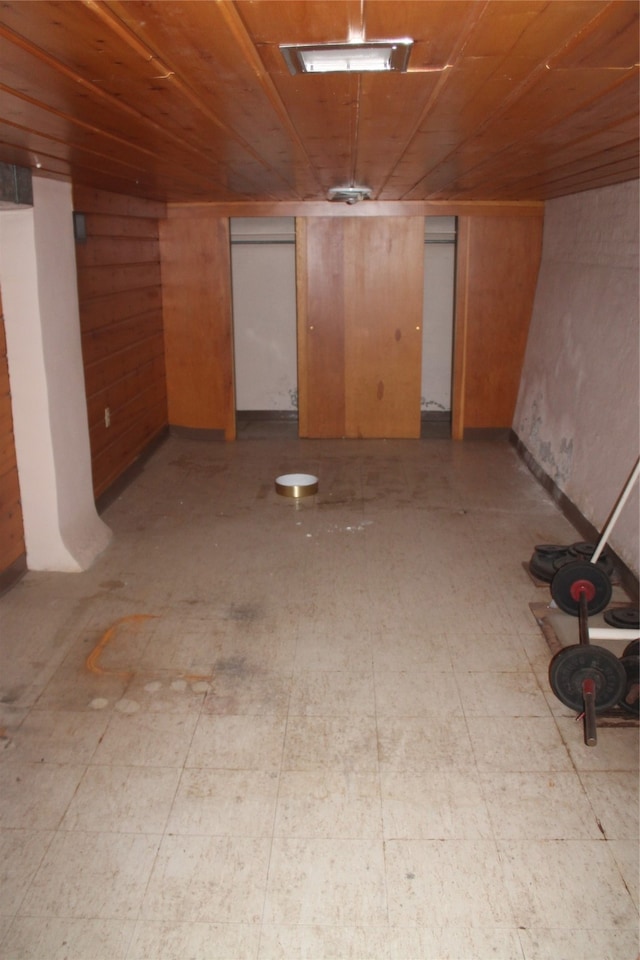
point(192, 101)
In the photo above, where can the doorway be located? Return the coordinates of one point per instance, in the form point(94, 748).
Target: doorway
point(263, 272)
point(437, 327)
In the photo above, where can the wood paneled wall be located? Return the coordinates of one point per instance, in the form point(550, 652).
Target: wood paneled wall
point(12, 545)
point(497, 270)
point(120, 295)
point(499, 249)
point(196, 281)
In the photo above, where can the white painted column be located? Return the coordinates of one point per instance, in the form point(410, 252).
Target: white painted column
point(40, 300)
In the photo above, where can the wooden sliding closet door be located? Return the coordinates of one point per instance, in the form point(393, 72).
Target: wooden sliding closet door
point(359, 326)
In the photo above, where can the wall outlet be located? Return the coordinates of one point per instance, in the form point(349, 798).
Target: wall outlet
point(107, 417)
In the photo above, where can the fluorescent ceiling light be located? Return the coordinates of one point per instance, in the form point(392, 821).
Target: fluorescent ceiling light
point(376, 56)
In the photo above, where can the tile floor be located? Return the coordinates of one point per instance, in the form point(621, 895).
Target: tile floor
point(262, 729)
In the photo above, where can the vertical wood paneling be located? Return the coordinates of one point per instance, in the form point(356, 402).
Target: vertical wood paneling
point(360, 313)
point(12, 545)
point(120, 297)
point(196, 278)
point(498, 261)
point(321, 357)
point(383, 350)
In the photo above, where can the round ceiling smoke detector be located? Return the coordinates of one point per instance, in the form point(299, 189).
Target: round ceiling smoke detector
point(349, 194)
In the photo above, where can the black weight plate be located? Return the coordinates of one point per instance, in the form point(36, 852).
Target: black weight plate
point(572, 665)
point(542, 567)
point(582, 550)
point(563, 560)
point(632, 649)
point(550, 549)
point(604, 562)
point(563, 587)
point(630, 700)
point(625, 618)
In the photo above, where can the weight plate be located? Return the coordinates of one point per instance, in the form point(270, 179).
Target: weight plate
point(630, 700)
point(632, 649)
point(572, 665)
point(549, 549)
point(573, 578)
point(582, 550)
point(604, 561)
point(625, 618)
point(542, 567)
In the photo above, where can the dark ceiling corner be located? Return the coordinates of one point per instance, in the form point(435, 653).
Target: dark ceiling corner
point(15, 184)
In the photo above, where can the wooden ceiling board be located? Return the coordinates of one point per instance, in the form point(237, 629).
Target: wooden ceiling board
point(311, 21)
point(191, 100)
point(610, 40)
point(531, 165)
point(547, 113)
point(488, 82)
point(200, 52)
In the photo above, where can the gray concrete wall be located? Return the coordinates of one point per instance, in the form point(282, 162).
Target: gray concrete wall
point(578, 406)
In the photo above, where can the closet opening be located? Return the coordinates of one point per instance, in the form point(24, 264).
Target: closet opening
point(263, 273)
point(437, 327)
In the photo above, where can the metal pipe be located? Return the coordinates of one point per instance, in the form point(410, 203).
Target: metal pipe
point(589, 699)
point(624, 496)
point(583, 615)
point(613, 633)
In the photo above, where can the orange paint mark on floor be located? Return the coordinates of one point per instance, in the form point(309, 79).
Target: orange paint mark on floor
point(93, 660)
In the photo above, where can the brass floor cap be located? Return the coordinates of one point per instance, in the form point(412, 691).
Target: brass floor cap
point(296, 485)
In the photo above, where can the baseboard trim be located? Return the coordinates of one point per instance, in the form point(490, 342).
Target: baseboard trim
point(245, 416)
point(14, 572)
point(486, 433)
point(195, 433)
point(584, 527)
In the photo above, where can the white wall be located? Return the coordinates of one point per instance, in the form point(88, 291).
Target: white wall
point(437, 314)
point(39, 292)
point(578, 406)
point(263, 265)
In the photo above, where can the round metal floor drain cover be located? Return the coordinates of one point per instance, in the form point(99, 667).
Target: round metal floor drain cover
point(296, 485)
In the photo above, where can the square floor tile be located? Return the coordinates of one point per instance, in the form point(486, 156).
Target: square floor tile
point(92, 876)
point(50, 736)
point(122, 800)
point(328, 803)
point(501, 695)
point(146, 739)
point(414, 746)
point(538, 806)
point(459, 883)
point(417, 693)
point(345, 744)
point(617, 749)
point(35, 796)
point(444, 804)
point(54, 938)
point(579, 943)
point(239, 689)
point(238, 742)
point(158, 940)
point(21, 853)
point(518, 744)
point(208, 879)
point(326, 882)
point(542, 889)
point(224, 803)
point(335, 693)
point(614, 798)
